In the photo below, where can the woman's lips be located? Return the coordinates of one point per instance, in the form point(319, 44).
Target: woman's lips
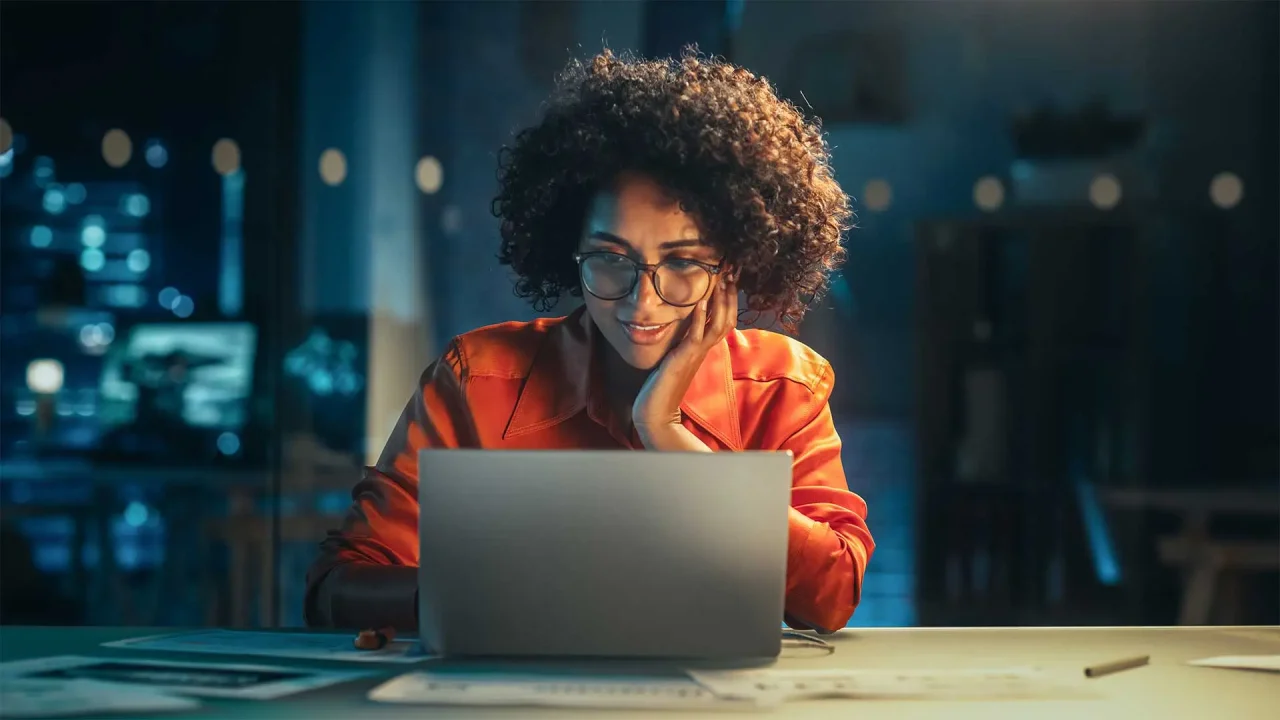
point(646, 333)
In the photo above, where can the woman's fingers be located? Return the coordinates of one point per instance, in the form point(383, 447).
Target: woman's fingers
point(715, 315)
point(698, 324)
point(725, 313)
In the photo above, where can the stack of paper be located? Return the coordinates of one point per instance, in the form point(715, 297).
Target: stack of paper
point(570, 690)
point(1269, 663)
point(707, 689)
point(73, 684)
point(33, 698)
point(771, 686)
point(303, 646)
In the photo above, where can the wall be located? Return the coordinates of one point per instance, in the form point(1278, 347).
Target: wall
point(496, 90)
point(1191, 67)
point(1199, 71)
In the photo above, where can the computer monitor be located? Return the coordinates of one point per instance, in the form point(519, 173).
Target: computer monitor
point(199, 372)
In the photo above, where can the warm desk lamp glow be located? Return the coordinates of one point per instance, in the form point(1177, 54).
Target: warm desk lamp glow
point(44, 379)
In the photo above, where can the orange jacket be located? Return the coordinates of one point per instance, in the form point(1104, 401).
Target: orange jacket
point(531, 385)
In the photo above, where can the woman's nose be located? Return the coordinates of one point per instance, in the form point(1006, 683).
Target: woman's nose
point(644, 293)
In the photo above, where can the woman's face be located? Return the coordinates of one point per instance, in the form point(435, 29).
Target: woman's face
point(638, 220)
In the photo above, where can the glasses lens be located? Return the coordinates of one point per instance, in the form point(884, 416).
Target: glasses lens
point(608, 276)
point(681, 282)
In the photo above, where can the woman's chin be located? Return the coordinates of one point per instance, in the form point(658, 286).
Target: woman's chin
point(644, 354)
point(642, 358)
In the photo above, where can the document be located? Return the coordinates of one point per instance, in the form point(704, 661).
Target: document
point(1269, 663)
point(303, 646)
point(210, 679)
point(34, 698)
point(674, 691)
point(772, 686)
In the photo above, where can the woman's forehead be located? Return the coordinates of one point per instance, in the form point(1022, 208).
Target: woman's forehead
point(640, 212)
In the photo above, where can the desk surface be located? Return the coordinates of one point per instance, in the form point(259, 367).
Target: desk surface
point(1167, 689)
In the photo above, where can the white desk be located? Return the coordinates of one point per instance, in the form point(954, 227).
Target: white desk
point(1167, 689)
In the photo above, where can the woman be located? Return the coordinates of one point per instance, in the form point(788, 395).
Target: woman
point(662, 189)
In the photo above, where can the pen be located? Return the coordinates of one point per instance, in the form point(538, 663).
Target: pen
point(1116, 666)
point(374, 639)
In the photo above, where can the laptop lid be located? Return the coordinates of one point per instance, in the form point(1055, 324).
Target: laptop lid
point(608, 554)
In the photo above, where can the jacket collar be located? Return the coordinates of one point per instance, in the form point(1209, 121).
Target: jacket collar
point(563, 381)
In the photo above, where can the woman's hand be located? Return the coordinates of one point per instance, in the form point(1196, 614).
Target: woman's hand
point(658, 404)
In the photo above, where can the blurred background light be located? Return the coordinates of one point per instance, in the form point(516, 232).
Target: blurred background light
point(117, 148)
point(226, 156)
point(44, 376)
point(155, 154)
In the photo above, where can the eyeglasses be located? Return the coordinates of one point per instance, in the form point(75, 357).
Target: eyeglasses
point(679, 281)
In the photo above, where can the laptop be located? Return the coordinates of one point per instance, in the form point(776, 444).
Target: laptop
point(603, 554)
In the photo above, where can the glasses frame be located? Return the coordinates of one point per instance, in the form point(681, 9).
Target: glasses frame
point(650, 269)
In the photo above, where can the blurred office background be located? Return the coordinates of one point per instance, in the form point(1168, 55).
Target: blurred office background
point(234, 233)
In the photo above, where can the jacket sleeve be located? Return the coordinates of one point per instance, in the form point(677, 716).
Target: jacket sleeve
point(366, 575)
point(829, 543)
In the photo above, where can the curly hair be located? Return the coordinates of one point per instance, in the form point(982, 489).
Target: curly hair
point(747, 165)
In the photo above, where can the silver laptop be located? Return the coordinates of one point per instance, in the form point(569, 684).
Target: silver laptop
point(603, 554)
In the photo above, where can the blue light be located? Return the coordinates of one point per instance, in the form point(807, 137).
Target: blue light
point(6, 158)
point(183, 306)
point(91, 335)
point(296, 363)
point(228, 443)
point(76, 193)
point(138, 260)
point(136, 205)
point(156, 155)
point(126, 296)
point(55, 201)
point(1106, 565)
point(333, 503)
point(733, 13)
point(168, 297)
point(321, 382)
point(231, 277)
point(93, 231)
point(92, 260)
point(42, 168)
point(127, 555)
point(135, 515)
point(41, 236)
point(348, 383)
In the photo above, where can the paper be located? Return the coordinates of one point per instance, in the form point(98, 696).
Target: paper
point(674, 692)
point(770, 686)
point(305, 646)
point(32, 698)
point(1241, 662)
point(255, 682)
